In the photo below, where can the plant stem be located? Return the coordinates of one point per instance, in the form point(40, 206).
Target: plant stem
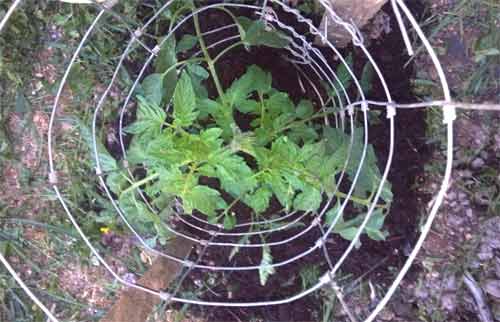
point(364, 202)
point(140, 183)
point(171, 68)
point(210, 62)
point(227, 49)
point(231, 205)
point(295, 123)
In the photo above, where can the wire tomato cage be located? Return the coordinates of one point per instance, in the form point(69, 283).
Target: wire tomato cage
point(302, 53)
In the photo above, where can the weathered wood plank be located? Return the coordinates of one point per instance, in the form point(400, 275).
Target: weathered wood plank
point(134, 305)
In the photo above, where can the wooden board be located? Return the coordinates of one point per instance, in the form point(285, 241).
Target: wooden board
point(134, 305)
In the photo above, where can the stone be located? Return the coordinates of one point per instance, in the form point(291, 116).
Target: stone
point(477, 163)
point(359, 11)
point(492, 287)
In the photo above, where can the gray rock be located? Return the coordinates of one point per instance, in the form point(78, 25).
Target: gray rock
point(477, 163)
point(497, 266)
point(449, 301)
point(492, 287)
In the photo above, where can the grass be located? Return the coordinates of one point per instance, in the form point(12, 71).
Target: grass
point(476, 24)
point(31, 30)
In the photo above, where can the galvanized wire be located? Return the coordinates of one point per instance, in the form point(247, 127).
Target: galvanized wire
point(302, 53)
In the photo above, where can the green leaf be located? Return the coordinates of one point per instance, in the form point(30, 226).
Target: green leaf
point(248, 106)
point(116, 182)
point(367, 78)
point(166, 60)
point(184, 102)
point(244, 24)
point(198, 70)
point(343, 73)
point(348, 233)
point(137, 213)
point(174, 182)
point(229, 221)
point(136, 153)
point(259, 201)
point(204, 199)
point(166, 57)
point(280, 102)
point(302, 134)
point(266, 271)
point(258, 34)
point(282, 121)
point(332, 214)
point(284, 151)
point(207, 107)
point(186, 43)
point(234, 174)
point(107, 162)
point(304, 110)
point(255, 79)
point(150, 119)
point(281, 189)
point(348, 229)
point(22, 104)
point(153, 88)
point(308, 200)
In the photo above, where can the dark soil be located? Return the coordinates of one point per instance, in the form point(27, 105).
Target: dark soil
point(409, 158)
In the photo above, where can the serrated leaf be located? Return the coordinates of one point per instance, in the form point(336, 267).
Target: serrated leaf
point(184, 102)
point(204, 199)
point(304, 109)
point(234, 174)
point(166, 59)
point(348, 229)
point(259, 201)
point(258, 34)
point(166, 56)
point(150, 119)
point(302, 134)
point(153, 88)
point(308, 200)
point(280, 102)
point(207, 107)
point(282, 121)
point(198, 70)
point(255, 79)
point(266, 271)
point(116, 182)
point(137, 213)
point(281, 189)
point(186, 43)
point(248, 106)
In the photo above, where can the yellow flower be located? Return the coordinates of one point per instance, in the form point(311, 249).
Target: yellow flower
point(105, 230)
